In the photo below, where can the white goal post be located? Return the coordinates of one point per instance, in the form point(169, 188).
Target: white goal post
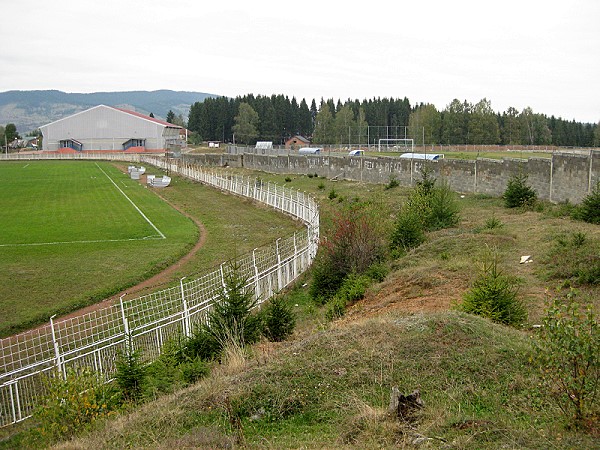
point(396, 145)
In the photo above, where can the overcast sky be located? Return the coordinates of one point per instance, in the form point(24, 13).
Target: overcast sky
point(541, 54)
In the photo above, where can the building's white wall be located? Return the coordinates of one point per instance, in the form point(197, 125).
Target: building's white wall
point(104, 128)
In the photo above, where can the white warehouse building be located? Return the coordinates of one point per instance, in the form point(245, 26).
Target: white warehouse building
point(105, 128)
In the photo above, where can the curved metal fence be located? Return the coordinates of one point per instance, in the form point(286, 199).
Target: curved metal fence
point(95, 338)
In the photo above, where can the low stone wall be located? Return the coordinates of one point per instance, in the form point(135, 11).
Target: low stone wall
point(564, 177)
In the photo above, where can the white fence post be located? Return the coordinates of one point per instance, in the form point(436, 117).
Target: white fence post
point(279, 274)
point(223, 283)
point(128, 343)
point(125, 322)
point(295, 257)
point(186, 311)
point(256, 286)
point(13, 406)
point(59, 365)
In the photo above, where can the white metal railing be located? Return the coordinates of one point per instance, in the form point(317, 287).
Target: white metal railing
point(93, 339)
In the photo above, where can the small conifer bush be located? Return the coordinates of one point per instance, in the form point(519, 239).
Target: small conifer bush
point(494, 296)
point(130, 372)
point(589, 209)
point(408, 232)
point(279, 321)
point(518, 193)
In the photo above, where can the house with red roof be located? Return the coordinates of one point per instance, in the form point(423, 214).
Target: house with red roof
point(296, 142)
point(109, 129)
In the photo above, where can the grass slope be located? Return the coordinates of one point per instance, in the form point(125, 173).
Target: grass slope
point(329, 386)
point(331, 389)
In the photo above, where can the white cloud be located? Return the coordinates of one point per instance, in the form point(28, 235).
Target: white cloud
point(515, 53)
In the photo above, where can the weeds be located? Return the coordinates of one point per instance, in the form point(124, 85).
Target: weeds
point(408, 232)
point(574, 258)
point(130, 371)
point(230, 322)
point(493, 223)
point(72, 402)
point(568, 354)
point(355, 245)
point(443, 208)
point(428, 208)
point(392, 183)
point(353, 289)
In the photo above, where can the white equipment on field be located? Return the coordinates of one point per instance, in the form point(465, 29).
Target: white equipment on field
point(136, 172)
point(158, 182)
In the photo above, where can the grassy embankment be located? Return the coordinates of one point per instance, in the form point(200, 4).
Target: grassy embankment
point(329, 386)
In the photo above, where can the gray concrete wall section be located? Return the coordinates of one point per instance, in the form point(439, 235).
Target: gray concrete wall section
point(594, 170)
point(493, 175)
point(459, 174)
point(539, 176)
point(564, 177)
point(570, 177)
point(214, 160)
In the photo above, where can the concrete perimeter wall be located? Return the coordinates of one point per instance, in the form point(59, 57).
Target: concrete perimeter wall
point(564, 177)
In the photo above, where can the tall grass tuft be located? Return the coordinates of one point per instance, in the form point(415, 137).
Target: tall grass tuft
point(574, 258)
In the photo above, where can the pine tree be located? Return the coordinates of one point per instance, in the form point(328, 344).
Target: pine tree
point(589, 210)
point(170, 116)
point(279, 320)
point(518, 193)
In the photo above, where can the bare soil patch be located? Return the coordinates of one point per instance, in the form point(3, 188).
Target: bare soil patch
point(410, 294)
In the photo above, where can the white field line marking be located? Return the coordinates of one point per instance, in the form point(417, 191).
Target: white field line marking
point(82, 242)
point(25, 166)
point(130, 201)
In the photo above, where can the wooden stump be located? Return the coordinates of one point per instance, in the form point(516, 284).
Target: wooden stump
point(405, 407)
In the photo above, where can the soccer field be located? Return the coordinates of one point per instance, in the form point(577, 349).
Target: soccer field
point(74, 232)
point(59, 203)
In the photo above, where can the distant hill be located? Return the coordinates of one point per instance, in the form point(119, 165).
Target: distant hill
point(29, 110)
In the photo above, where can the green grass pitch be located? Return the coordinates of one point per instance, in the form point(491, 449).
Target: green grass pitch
point(72, 233)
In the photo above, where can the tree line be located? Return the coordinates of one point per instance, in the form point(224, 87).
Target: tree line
point(247, 119)
point(8, 134)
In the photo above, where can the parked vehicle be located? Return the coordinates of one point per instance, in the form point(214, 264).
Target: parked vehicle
point(310, 150)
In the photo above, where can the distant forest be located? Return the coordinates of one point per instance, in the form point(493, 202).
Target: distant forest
point(276, 118)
